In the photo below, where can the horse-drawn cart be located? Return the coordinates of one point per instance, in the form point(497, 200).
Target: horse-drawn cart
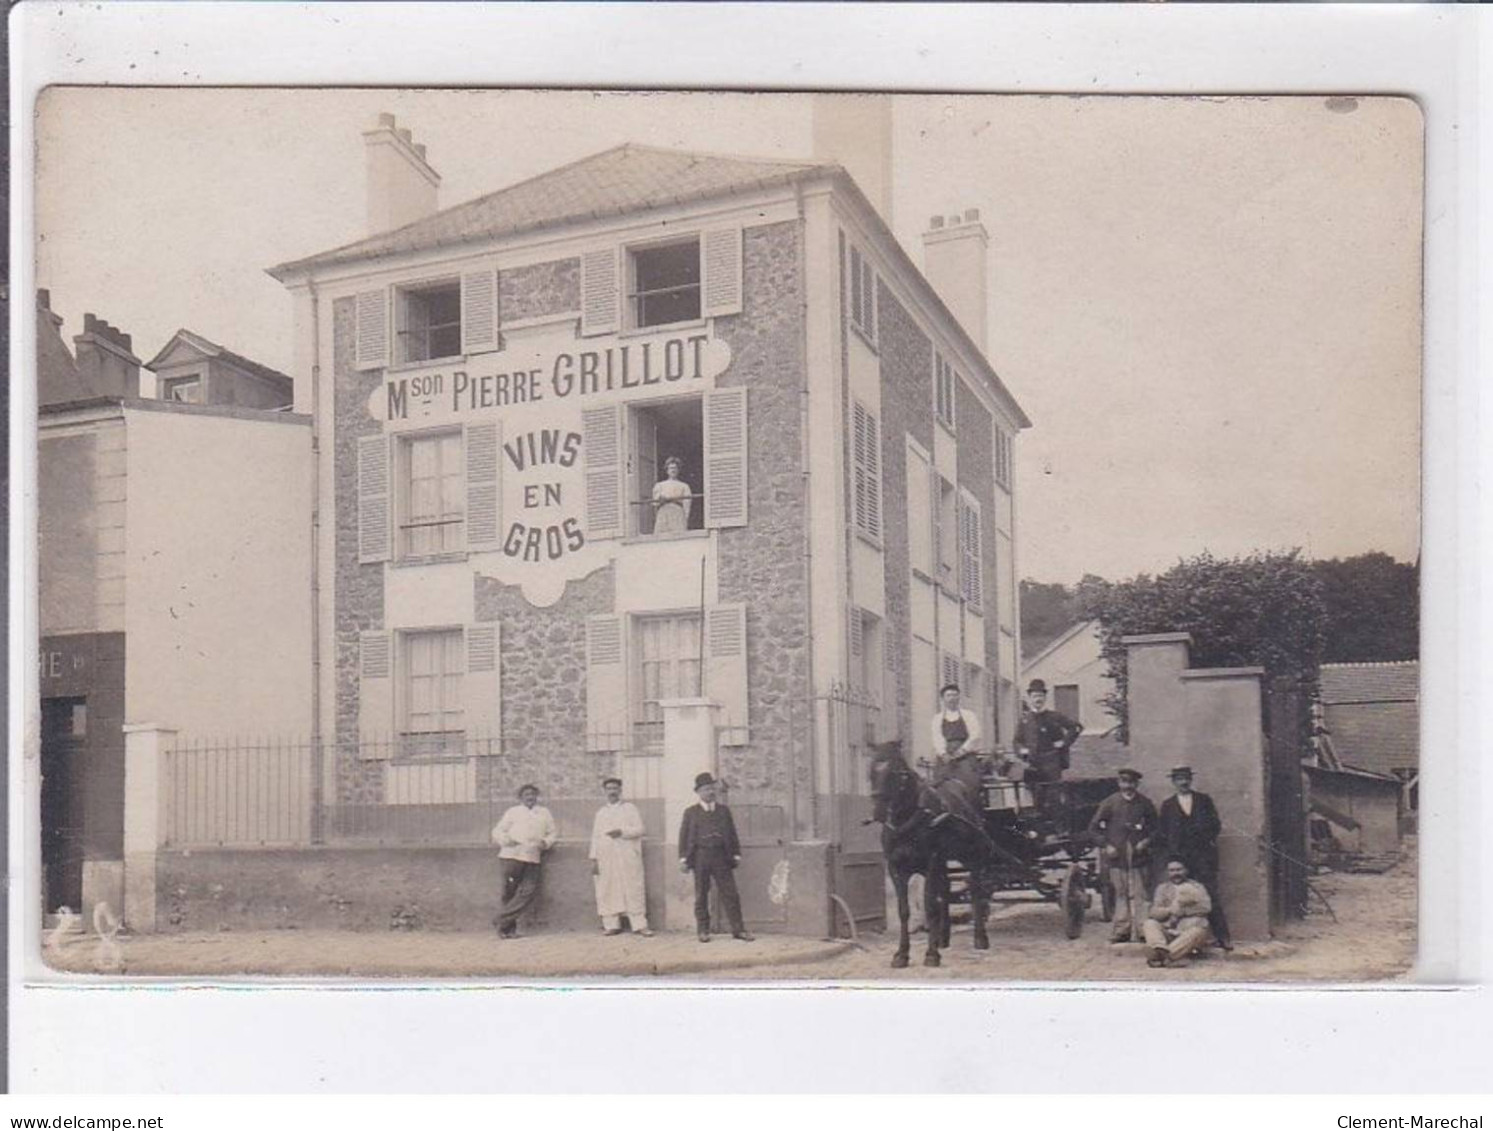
point(1045, 852)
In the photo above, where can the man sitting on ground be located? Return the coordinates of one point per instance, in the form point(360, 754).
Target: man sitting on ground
point(1178, 923)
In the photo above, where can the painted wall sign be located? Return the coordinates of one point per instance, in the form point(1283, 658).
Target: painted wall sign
point(548, 370)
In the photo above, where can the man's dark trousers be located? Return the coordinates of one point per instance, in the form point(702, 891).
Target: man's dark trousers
point(712, 862)
point(520, 883)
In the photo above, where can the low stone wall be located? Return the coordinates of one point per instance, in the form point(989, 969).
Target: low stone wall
point(432, 888)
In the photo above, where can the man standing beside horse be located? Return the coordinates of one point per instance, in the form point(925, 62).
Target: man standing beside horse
point(1124, 825)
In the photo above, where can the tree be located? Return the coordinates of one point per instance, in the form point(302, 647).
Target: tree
point(1046, 613)
point(1262, 610)
point(1373, 609)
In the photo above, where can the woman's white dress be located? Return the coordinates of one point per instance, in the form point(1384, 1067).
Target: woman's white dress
point(672, 513)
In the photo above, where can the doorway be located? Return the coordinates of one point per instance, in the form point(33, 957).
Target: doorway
point(64, 735)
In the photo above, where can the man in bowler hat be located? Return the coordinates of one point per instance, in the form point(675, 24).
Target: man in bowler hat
point(1189, 826)
point(708, 847)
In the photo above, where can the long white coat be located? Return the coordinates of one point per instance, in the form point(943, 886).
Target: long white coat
point(619, 859)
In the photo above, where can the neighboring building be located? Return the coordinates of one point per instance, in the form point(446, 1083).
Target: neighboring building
point(1076, 676)
point(174, 554)
point(1371, 713)
point(500, 385)
point(192, 370)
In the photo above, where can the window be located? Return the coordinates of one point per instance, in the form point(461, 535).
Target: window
point(428, 322)
point(182, 390)
point(1065, 700)
point(919, 525)
point(971, 559)
point(943, 391)
point(432, 505)
point(862, 295)
point(664, 284)
point(866, 666)
point(668, 665)
point(659, 433)
point(866, 454)
point(948, 534)
point(1003, 458)
point(434, 671)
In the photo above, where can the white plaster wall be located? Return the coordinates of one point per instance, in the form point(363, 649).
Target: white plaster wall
point(218, 575)
point(1076, 661)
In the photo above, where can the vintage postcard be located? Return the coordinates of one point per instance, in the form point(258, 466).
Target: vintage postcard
point(744, 537)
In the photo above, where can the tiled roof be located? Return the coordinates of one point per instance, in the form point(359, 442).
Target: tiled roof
point(625, 179)
point(1381, 737)
point(212, 349)
point(1397, 682)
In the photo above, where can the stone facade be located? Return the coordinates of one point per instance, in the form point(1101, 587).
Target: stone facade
point(763, 563)
point(906, 370)
point(977, 476)
point(359, 597)
point(542, 664)
point(540, 289)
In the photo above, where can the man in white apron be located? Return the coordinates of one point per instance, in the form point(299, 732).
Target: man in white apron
point(617, 862)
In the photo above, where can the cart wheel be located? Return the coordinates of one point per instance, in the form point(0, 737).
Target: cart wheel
point(1074, 900)
point(1106, 900)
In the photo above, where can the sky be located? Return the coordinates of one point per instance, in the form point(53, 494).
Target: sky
point(1209, 308)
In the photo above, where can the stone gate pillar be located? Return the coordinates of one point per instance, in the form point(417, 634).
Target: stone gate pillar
point(144, 819)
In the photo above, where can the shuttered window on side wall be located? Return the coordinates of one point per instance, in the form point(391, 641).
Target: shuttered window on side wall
point(479, 311)
point(375, 694)
point(866, 456)
point(484, 689)
point(972, 586)
point(484, 496)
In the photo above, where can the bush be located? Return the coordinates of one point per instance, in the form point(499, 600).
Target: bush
point(1262, 610)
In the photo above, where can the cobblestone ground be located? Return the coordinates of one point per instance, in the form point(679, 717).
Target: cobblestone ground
point(1371, 939)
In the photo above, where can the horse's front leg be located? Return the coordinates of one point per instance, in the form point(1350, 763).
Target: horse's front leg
point(936, 911)
point(979, 909)
point(900, 878)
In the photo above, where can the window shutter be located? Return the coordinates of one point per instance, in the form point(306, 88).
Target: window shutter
point(726, 458)
point(479, 312)
point(484, 518)
point(951, 672)
point(857, 632)
point(371, 350)
point(969, 544)
point(606, 684)
point(482, 702)
point(726, 667)
point(375, 694)
point(373, 499)
point(720, 272)
point(601, 438)
point(867, 458)
point(935, 512)
point(601, 297)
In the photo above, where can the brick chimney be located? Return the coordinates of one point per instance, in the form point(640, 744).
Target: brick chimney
point(402, 187)
point(956, 261)
point(106, 365)
point(855, 132)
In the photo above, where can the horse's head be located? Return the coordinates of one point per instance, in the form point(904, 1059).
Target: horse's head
point(891, 777)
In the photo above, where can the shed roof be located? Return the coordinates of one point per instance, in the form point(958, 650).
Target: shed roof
point(1397, 682)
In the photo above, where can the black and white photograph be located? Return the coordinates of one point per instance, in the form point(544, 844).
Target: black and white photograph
point(597, 535)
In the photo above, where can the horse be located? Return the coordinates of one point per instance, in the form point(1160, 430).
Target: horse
point(923, 828)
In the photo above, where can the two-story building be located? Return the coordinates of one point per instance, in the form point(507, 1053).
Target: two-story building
point(511, 586)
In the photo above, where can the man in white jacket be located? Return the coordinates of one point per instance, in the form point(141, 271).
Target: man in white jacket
point(524, 834)
point(617, 862)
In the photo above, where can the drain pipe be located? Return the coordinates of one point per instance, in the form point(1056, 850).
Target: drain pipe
point(808, 504)
point(318, 756)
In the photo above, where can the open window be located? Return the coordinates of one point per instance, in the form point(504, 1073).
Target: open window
point(182, 390)
point(663, 283)
point(428, 322)
point(659, 433)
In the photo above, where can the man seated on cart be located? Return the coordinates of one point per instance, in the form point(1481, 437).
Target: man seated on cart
point(1178, 923)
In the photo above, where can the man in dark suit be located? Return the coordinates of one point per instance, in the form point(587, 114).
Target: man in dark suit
point(1188, 826)
point(709, 848)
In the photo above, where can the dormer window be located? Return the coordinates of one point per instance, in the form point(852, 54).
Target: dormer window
point(428, 322)
point(664, 283)
point(182, 390)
